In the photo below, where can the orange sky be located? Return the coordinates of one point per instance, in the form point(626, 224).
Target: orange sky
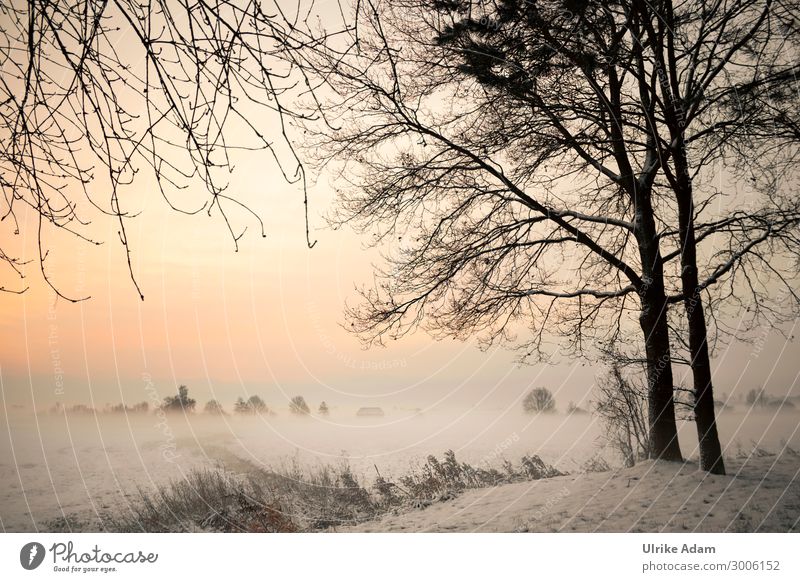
point(265, 320)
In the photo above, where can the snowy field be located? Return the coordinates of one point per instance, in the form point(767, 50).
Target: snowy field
point(82, 466)
point(760, 493)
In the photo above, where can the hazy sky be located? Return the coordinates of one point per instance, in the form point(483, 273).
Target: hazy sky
point(265, 320)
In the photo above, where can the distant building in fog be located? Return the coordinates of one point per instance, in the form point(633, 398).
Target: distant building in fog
point(370, 411)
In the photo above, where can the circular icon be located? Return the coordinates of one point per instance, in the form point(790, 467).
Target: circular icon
point(31, 555)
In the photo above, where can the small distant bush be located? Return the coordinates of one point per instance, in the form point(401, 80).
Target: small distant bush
point(213, 407)
point(78, 409)
point(323, 409)
point(595, 464)
point(539, 400)
point(297, 405)
point(138, 408)
point(573, 408)
point(141, 407)
point(721, 405)
point(179, 403)
point(240, 406)
point(758, 398)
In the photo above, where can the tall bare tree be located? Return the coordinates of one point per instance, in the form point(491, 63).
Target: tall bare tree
point(94, 91)
point(500, 161)
point(723, 79)
point(527, 129)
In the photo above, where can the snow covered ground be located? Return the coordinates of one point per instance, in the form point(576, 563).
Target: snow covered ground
point(760, 494)
point(80, 466)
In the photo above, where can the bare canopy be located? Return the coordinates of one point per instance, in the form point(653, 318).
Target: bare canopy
point(95, 91)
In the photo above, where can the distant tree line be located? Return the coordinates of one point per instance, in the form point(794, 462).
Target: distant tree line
point(182, 402)
point(758, 398)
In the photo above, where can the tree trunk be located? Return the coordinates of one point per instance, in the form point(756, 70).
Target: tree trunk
point(704, 414)
point(710, 450)
point(661, 405)
point(653, 320)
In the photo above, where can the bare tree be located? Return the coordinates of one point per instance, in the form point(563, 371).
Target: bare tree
point(712, 72)
point(257, 405)
point(181, 402)
point(500, 161)
point(611, 114)
point(95, 91)
point(621, 405)
point(298, 405)
point(214, 408)
point(241, 406)
point(539, 400)
point(253, 405)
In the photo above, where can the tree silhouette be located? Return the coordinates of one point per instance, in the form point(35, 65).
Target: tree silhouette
point(179, 403)
point(757, 397)
point(95, 92)
point(298, 405)
point(213, 407)
point(620, 404)
point(240, 406)
point(698, 66)
point(138, 408)
point(539, 400)
point(253, 405)
point(515, 197)
point(257, 405)
point(707, 116)
point(532, 133)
